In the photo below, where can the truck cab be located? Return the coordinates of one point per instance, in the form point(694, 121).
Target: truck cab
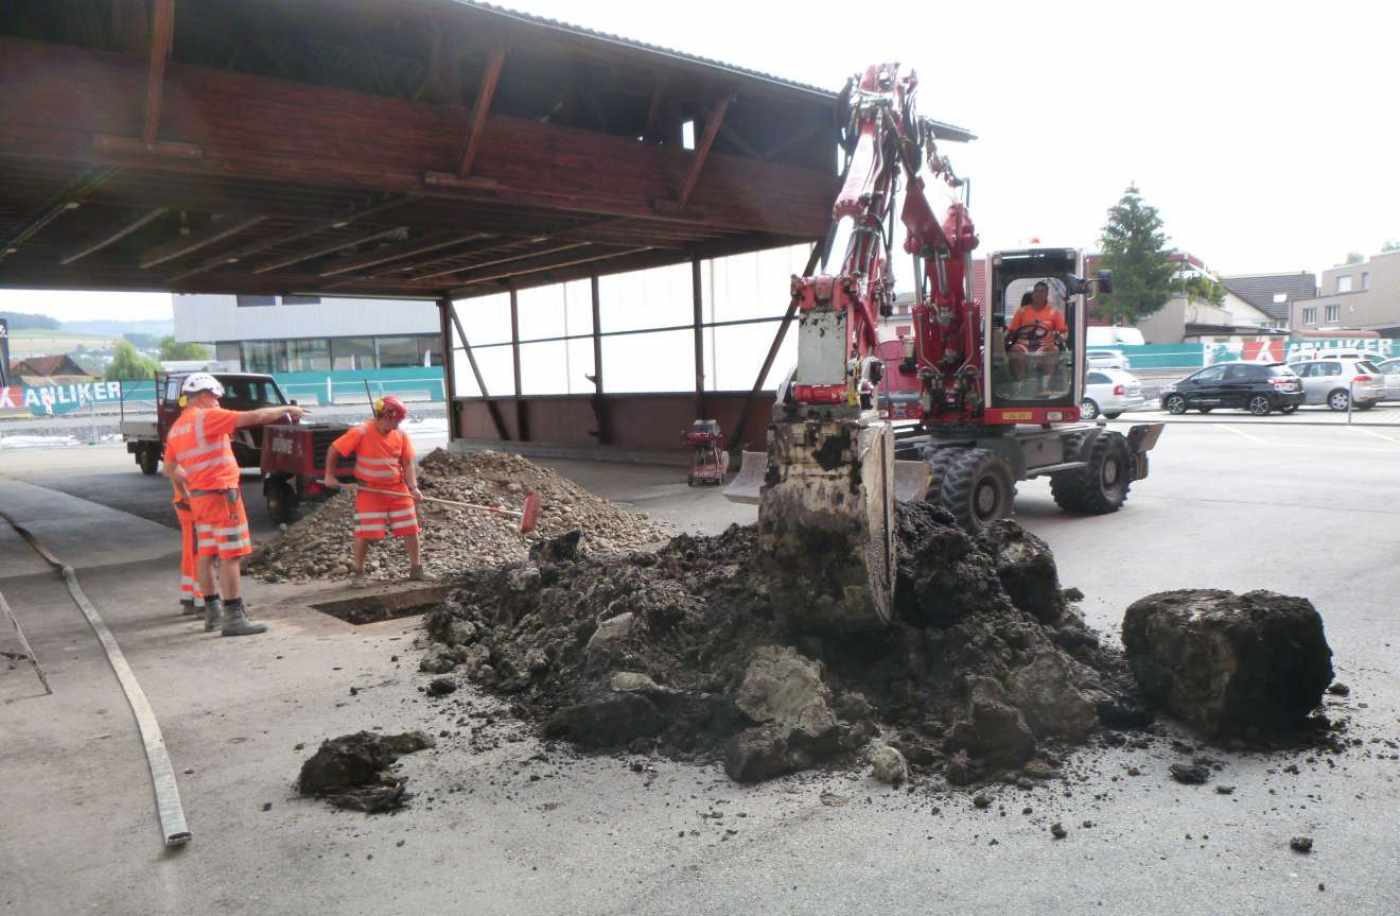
point(242, 391)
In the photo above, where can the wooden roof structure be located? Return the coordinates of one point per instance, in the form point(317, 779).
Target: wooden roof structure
point(415, 148)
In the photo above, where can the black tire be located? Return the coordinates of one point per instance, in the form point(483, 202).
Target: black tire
point(1258, 404)
point(1113, 414)
point(1175, 404)
point(281, 500)
point(148, 459)
point(1205, 410)
point(1089, 410)
point(1287, 408)
point(1101, 487)
point(1337, 400)
point(975, 485)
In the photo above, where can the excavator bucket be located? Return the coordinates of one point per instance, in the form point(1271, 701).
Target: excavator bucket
point(826, 521)
point(911, 480)
point(745, 487)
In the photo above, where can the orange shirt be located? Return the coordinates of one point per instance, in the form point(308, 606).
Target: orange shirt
point(1049, 317)
point(199, 444)
point(379, 457)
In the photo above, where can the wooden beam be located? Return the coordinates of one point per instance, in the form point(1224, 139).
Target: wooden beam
point(733, 136)
point(144, 219)
point(490, 76)
point(329, 249)
point(449, 368)
point(70, 198)
point(702, 150)
point(469, 281)
point(412, 250)
point(57, 97)
point(796, 138)
point(189, 244)
point(238, 254)
point(492, 263)
point(495, 241)
point(658, 91)
point(129, 25)
point(162, 38)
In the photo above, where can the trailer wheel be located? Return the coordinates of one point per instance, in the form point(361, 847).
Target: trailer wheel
point(1102, 486)
point(148, 459)
point(975, 485)
point(281, 500)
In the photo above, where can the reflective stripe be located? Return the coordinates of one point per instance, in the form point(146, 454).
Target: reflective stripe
point(359, 528)
point(197, 451)
point(374, 473)
point(230, 545)
point(401, 513)
point(362, 515)
point(408, 524)
point(201, 527)
point(222, 459)
point(203, 544)
point(199, 427)
point(236, 529)
point(361, 459)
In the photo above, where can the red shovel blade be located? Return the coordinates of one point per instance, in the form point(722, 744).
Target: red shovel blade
point(530, 514)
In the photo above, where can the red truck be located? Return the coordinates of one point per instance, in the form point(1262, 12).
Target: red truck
point(290, 456)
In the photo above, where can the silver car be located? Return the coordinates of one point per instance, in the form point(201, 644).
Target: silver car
point(1391, 370)
point(1336, 380)
point(1110, 392)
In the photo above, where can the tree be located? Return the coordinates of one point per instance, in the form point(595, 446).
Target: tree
point(127, 364)
point(1135, 250)
point(1201, 288)
point(1355, 257)
point(171, 350)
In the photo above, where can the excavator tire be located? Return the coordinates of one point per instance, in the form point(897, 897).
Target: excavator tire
point(1102, 486)
point(975, 485)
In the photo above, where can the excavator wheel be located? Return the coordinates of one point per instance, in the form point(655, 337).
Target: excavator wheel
point(977, 486)
point(1102, 486)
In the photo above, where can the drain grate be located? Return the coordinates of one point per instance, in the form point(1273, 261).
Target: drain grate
point(377, 608)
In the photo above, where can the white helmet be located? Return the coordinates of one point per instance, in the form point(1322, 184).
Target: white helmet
point(202, 381)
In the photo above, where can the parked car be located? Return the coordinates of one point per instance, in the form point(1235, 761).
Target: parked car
point(1391, 370)
point(1256, 387)
point(1110, 392)
point(1107, 359)
point(1334, 381)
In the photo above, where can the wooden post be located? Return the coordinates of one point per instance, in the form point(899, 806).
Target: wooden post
point(698, 301)
point(600, 404)
point(522, 423)
point(162, 37)
point(449, 360)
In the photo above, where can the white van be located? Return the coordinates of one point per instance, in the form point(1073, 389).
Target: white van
point(1114, 337)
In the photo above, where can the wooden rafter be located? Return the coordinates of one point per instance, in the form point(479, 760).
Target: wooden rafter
point(129, 25)
point(489, 78)
point(188, 244)
point(143, 220)
point(658, 92)
point(702, 149)
point(70, 198)
point(554, 265)
point(162, 38)
point(733, 136)
point(329, 249)
point(496, 261)
point(412, 250)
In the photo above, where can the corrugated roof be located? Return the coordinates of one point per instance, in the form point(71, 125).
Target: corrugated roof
point(944, 130)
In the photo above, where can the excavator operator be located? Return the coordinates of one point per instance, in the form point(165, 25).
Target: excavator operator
point(1037, 333)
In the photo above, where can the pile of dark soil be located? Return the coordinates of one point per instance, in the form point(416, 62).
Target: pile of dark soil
point(988, 669)
point(352, 771)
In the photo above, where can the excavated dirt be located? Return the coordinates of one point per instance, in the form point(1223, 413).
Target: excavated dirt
point(352, 771)
point(989, 669)
point(456, 539)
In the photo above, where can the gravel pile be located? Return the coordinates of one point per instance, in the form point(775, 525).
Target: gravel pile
point(456, 539)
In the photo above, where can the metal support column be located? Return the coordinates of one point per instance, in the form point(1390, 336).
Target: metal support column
point(522, 419)
point(698, 300)
point(600, 405)
point(449, 380)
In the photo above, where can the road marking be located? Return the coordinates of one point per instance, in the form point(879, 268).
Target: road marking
point(1390, 439)
point(1250, 436)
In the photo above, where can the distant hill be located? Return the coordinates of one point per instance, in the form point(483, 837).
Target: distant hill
point(156, 328)
point(22, 321)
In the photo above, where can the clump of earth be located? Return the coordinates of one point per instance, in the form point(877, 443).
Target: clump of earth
point(987, 669)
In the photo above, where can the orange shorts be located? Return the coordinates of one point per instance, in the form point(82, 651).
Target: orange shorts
point(189, 580)
point(220, 527)
point(377, 515)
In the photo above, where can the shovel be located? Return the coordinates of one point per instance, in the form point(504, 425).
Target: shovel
point(528, 518)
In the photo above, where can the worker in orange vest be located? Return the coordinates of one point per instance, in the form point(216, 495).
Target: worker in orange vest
point(191, 594)
point(206, 468)
point(386, 502)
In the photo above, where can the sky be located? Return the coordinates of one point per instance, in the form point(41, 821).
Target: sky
point(1264, 133)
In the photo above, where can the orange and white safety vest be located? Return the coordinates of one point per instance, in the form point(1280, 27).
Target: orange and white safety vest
point(379, 457)
point(199, 444)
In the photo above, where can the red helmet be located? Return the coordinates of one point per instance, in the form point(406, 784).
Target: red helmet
point(390, 408)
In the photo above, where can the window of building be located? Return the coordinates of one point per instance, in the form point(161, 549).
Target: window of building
point(1344, 284)
point(1310, 315)
point(353, 353)
point(264, 356)
point(1280, 297)
point(309, 355)
point(229, 352)
point(255, 301)
point(1365, 280)
point(397, 352)
point(1334, 314)
point(430, 350)
point(301, 300)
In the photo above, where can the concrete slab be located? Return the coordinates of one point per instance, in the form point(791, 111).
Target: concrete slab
point(84, 534)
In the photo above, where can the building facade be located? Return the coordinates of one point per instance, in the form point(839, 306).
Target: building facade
point(1273, 294)
point(278, 334)
point(1363, 296)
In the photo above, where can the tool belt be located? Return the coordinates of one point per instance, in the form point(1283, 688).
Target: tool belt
point(232, 494)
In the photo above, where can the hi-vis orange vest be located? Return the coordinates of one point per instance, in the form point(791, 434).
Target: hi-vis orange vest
point(199, 444)
point(378, 458)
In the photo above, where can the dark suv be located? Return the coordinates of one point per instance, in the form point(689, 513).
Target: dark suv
point(1255, 387)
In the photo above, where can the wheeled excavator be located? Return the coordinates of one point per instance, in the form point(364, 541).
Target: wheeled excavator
point(986, 390)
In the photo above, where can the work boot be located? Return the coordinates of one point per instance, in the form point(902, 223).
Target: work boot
point(213, 614)
point(359, 580)
point(186, 605)
point(236, 621)
point(416, 574)
point(190, 608)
